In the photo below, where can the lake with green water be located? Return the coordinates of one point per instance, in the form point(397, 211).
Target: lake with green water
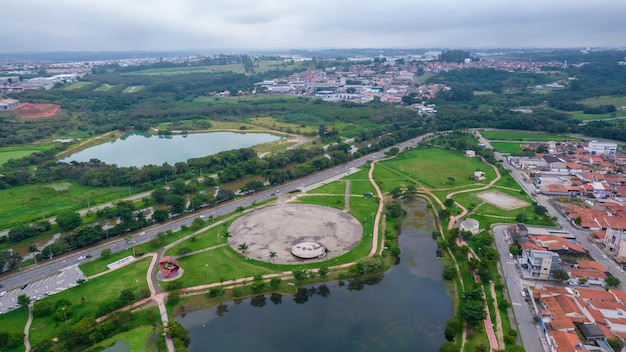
point(143, 149)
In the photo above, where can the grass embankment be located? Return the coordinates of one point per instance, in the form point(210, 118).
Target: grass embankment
point(87, 297)
point(524, 136)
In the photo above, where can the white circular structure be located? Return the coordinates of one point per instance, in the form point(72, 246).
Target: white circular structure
point(470, 225)
point(308, 250)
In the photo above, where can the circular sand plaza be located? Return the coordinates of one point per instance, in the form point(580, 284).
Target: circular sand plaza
point(297, 233)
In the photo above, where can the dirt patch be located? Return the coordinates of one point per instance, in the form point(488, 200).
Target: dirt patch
point(279, 228)
point(501, 200)
point(61, 186)
point(37, 110)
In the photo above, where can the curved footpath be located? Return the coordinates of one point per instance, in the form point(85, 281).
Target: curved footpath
point(159, 297)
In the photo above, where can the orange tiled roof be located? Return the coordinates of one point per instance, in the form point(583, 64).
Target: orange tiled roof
point(606, 331)
point(556, 243)
point(530, 246)
point(620, 295)
point(600, 295)
point(607, 305)
point(596, 315)
point(590, 264)
point(565, 341)
point(592, 273)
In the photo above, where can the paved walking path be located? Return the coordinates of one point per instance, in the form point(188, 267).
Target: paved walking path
point(27, 327)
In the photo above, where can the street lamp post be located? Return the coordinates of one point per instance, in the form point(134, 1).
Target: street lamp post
point(64, 317)
point(206, 266)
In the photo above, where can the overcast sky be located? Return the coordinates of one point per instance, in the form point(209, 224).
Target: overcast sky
point(102, 25)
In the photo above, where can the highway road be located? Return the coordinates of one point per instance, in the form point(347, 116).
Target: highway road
point(61, 265)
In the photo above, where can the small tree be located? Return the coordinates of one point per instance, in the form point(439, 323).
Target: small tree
point(23, 300)
point(612, 281)
point(561, 275)
point(105, 253)
point(243, 247)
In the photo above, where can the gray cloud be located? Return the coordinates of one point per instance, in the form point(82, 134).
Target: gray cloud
point(41, 25)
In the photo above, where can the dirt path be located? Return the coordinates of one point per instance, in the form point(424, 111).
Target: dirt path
point(29, 321)
point(499, 332)
point(346, 205)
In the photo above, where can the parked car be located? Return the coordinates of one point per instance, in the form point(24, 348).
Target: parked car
point(523, 293)
point(24, 286)
point(3, 293)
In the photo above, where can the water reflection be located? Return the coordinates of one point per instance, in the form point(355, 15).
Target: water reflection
point(403, 310)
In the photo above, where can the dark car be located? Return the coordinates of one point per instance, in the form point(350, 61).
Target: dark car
point(24, 286)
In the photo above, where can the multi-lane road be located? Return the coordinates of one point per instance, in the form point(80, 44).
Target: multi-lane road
point(60, 266)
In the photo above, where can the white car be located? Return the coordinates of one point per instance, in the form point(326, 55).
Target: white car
point(142, 233)
point(82, 257)
point(3, 293)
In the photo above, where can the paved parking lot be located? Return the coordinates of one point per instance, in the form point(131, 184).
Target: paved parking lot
point(52, 284)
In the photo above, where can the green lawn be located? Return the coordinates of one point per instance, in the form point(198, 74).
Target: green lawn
point(133, 89)
point(237, 68)
point(76, 85)
point(507, 147)
point(208, 238)
point(24, 204)
point(105, 87)
point(524, 136)
point(6, 155)
point(86, 298)
point(589, 117)
point(605, 100)
point(425, 167)
point(335, 187)
point(138, 338)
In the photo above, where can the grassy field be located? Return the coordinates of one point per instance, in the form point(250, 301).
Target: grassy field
point(138, 338)
point(76, 85)
point(104, 88)
point(524, 136)
point(237, 68)
point(425, 167)
point(605, 100)
point(590, 117)
point(132, 89)
point(8, 153)
point(507, 147)
point(28, 203)
point(86, 297)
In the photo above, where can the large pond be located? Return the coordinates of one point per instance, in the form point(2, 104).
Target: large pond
point(403, 310)
point(143, 149)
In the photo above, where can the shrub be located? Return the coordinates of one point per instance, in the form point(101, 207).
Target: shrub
point(173, 285)
point(275, 282)
point(173, 298)
point(42, 309)
point(105, 253)
point(216, 292)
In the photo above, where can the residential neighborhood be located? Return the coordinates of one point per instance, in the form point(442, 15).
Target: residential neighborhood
point(568, 291)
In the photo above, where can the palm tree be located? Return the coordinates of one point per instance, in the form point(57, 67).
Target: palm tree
point(272, 256)
point(243, 247)
point(33, 249)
